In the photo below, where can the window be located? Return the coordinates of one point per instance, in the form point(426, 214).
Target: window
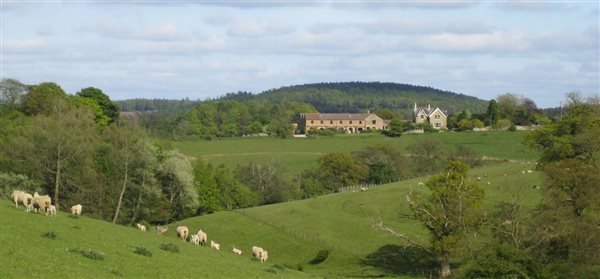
point(422, 116)
point(321, 121)
point(341, 121)
point(437, 125)
point(374, 122)
point(350, 121)
point(359, 122)
point(331, 122)
point(437, 116)
point(312, 122)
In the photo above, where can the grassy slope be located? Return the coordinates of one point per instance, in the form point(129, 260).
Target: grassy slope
point(25, 253)
point(301, 153)
point(294, 232)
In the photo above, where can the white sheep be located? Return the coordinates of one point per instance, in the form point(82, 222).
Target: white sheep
point(194, 239)
point(264, 256)
point(17, 197)
point(141, 227)
point(421, 183)
point(51, 211)
point(161, 229)
point(182, 232)
point(203, 237)
point(27, 200)
point(41, 202)
point(215, 245)
point(29, 207)
point(76, 209)
point(364, 189)
point(237, 251)
point(257, 252)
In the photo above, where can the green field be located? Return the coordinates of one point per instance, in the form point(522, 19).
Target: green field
point(301, 153)
point(25, 253)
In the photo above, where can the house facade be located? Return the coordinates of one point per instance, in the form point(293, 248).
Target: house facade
point(349, 122)
point(435, 117)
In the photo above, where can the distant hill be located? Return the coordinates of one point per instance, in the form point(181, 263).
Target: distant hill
point(363, 96)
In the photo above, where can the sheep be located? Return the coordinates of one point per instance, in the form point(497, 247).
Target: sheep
point(489, 183)
point(17, 197)
point(76, 209)
point(529, 171)
point(479, 178)
point(51, 211)
point(264, 256)
point(420, 183)
point(161, 229)
point(237, 251)
point(182, 232)
point(202, 237)
point(141, 227)
point(215, 245)
point(29, 207)
point(194, 239)
point(41, 202)
point(364, 189)
point(257, 252)
point(27, 200)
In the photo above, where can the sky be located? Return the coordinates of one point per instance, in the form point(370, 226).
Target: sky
point(205, 49)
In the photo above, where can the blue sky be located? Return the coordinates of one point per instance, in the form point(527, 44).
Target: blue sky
point(201, 49)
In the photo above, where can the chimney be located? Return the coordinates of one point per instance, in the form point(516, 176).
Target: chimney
point(428, 107)
point(415, 106)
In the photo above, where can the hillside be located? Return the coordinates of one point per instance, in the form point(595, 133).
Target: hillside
point(342, 224)
point(361, 96)
point(27, 253)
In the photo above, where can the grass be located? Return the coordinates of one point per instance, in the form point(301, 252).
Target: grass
point(89, 248)
point(336, 232)
point(301, 153)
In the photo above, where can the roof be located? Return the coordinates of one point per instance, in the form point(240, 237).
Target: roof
point(336, 116)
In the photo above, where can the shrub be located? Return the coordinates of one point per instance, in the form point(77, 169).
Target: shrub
point(512, 128)
point(49, 234)
point(276, 268)
point(88, 253)
point(321, 257)
point(169, 247)
point(143, 251)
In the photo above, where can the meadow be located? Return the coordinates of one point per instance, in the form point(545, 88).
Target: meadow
point(301, 153)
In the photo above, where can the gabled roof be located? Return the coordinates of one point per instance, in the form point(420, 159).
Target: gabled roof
point(437, 109)
point(336, 116)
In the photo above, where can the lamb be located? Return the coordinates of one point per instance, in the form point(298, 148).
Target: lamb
point(202, 237)
point(421, 183)
point(364, 189)
point(237, 251)
point(17, 197)
point(51, 211)
point(264, 256)
point(27, 200)
point(29, 207)
point(257, 252)
point(195, 240)
point(141, 227)
point(41, 202)
point(76, 209)
point(215, 245)
point(182, 232)
point(161, 230)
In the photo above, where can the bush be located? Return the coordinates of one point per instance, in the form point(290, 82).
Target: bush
point(88, 253)
point(276, 268)
point(320, 257)
point(143, 251)
point(10, 182)
point(390, 133)
point(170, 247)
point(512, 128)
point(49, 234)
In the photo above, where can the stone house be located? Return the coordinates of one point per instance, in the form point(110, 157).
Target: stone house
point(349, 122)
point(435, 117)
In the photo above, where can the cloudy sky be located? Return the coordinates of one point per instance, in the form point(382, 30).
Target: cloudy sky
point(200, 49)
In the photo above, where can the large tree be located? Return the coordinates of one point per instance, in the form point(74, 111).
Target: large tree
point(110, 109)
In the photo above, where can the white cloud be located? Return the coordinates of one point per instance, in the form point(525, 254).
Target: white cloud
point(26, 46)
point(247, 28)
point(163, 32)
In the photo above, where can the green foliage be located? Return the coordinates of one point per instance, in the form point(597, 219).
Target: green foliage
point(12, 92)
point(88, 253)
point(340, 169)
point(50, 235)
point(267, 181)
point(43, 98)
point(170, 247)
point(492, 113)
point(385, 164)
point(501, 261)
point(110, 110)
point(320, 257)
point(429, 156)
point(143, 251)
point(10, 182)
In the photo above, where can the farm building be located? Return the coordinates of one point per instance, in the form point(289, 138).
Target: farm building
point(436, 117)
point(349, 122)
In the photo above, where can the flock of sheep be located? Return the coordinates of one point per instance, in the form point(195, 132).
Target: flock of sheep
point(36, 203)
point(201, 238)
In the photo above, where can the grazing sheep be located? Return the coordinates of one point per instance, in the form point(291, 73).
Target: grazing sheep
point(489, 183)
point(257, 252)
point(507, 222)
point(215, 245)
point(264, 256)
point(182, 232)
point(41, 202)
point(194, 239)
point(529, 171)
point(523, 172)
point(161, 230)
point(29, 207)
point(76, 209)
point(536, 187)
point(237, 251)
point(141, 227)
point(479, 178)
point(27, 199)
point(485, 174)
point(364, 189)
point(51, 211)
point(17, 197)
point(203, 237)
point(420, 183)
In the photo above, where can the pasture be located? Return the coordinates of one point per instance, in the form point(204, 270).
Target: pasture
point(301, 153)
point(37, 246)
point(343, 225)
